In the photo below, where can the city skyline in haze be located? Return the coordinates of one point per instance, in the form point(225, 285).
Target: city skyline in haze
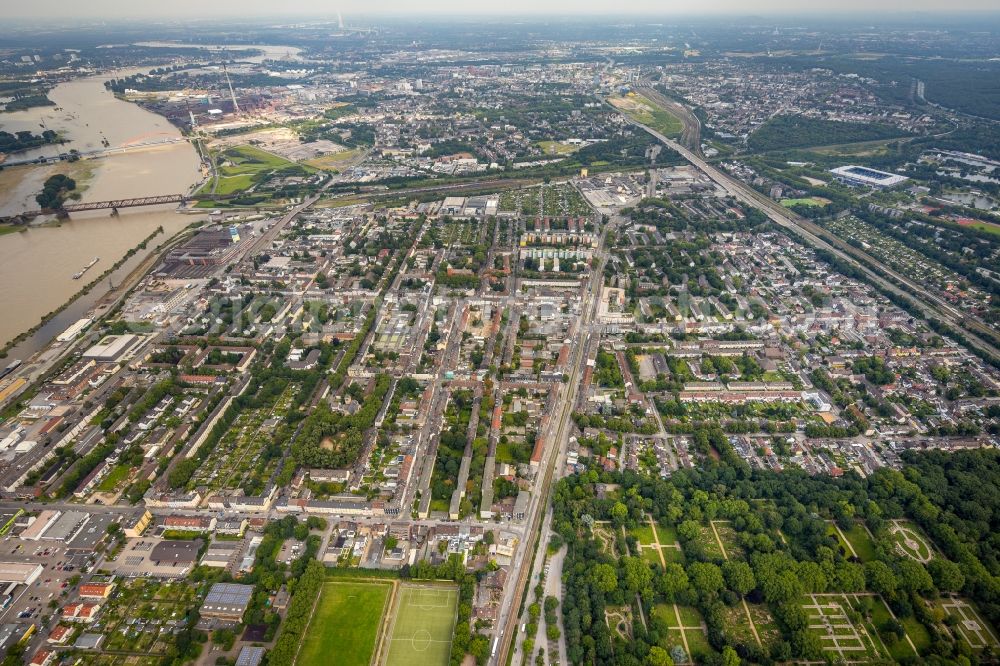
point(54, 9)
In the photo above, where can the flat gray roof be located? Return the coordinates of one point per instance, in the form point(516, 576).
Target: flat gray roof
point(66, 526)
point(176, 551)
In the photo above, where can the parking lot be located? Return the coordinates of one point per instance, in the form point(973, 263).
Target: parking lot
point(30, 603)
point(60, 562)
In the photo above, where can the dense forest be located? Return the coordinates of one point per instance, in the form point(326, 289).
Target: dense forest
point(783, 132)
point(795, 546)
point(969, 86)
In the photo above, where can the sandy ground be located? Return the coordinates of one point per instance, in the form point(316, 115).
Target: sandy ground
point(281, 141)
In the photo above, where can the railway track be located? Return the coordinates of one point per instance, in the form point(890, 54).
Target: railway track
point(977, 333)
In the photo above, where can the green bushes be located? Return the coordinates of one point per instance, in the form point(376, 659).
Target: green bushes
point(299, 612)
point(344, 435)
point(57, 187)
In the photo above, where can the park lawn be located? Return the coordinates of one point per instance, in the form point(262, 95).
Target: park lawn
point(863, 544)
point(698, 642)
point(831, 530)
point(923, 549)
point(649, 554)
point(724, 149)
point(232, 184)
point(248, 159)
point(114, 477)
point(856, 148)
point(966, 610)
point(666, 535)
point(673, 555)
point(917, 632)
point(643, 534)
point(666, 613)
point(873, 645)
point(689, 616)
point(245, 164)
point(673, 638)
point(345, 624)
point(880, 615)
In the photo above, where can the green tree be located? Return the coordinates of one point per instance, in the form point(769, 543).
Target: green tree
point(638, 576)
point(674, 581)
point(880, 578)
point(658, 657)
point(619, 514)
point(739, 577)
point(479, 647)
point(706, 578)
point(605, 577)
point(946, 574)
point(912, 576)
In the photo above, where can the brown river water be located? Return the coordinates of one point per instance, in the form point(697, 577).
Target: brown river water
point(37, 265)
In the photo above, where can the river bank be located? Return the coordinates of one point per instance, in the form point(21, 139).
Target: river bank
point(37, 263)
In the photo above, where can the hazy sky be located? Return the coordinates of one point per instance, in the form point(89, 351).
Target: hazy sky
point(248, 8)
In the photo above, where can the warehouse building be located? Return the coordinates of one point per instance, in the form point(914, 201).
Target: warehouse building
point(40, 525)
point(67, 526)
point(22, 573)
point(115, 348)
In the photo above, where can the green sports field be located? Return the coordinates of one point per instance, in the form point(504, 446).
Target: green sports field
point(423, 626)
point(345, 626)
